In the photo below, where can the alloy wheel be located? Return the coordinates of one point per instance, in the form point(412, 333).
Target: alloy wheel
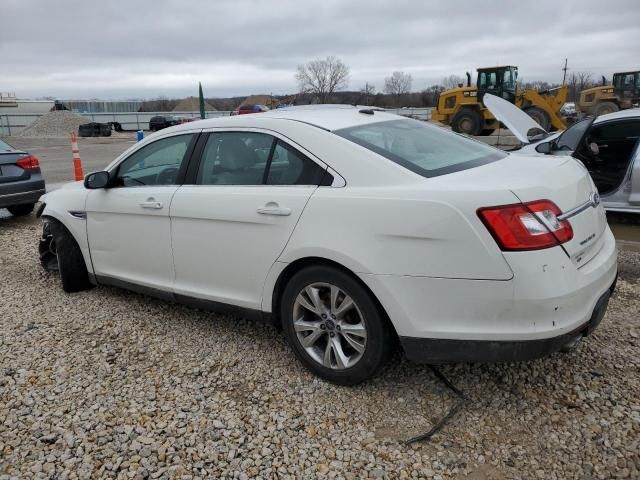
point(329, 326)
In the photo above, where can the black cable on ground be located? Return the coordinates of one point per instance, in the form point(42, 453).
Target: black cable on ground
point(452, 411)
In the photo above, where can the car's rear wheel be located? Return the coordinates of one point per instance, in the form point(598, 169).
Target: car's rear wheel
point(21, 210)
point(73, 270)
point(334, 325)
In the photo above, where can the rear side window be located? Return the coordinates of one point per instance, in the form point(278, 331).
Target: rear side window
point(235, 158)
point(424, 149)
point(5, 146)
point(251, 158)
point(290, 167)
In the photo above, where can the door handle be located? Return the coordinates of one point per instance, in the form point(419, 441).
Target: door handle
point(272, 208)
point(151, 203)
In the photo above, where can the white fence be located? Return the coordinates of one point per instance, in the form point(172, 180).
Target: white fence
point(418, 113)
point(14, 123)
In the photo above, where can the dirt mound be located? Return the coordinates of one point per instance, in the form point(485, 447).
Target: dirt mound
point(58, 123)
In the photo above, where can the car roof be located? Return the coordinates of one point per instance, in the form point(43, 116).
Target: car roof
point(327, 117)
point(619, 115)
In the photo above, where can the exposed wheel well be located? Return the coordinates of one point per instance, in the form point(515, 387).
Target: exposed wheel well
point(302, 263)
point(58, 224)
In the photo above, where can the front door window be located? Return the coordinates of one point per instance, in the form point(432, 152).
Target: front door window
point(155, 164)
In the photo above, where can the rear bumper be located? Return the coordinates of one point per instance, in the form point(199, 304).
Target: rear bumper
point(30, 193)
point(438, 351)
point(548, 302)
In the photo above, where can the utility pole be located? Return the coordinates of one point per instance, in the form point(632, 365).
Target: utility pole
point(564, 78)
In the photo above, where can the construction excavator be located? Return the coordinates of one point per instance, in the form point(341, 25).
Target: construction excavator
point(622, 93)
point(463, 110)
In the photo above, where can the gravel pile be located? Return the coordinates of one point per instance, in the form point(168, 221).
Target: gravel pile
point(111, 384)
point(58, 123)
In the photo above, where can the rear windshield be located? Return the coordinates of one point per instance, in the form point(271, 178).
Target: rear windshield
point(5, 146)
point(424, 149)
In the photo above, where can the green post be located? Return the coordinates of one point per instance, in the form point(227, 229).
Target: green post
point(202, 115)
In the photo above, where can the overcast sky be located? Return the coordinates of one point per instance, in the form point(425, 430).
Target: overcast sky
point(144, 49)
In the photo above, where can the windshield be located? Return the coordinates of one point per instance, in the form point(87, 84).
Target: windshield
point(424, 149)
point(508, 80)
point(572, 135)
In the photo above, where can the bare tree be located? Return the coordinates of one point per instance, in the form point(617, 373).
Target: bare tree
point(398, 84)
point(584, 80)
point(452, 81)
point(322, 77)
point(367, 92)
point(430, 95)
point(577, 82)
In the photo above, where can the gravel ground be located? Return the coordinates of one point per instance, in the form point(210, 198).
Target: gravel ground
point(111, 384)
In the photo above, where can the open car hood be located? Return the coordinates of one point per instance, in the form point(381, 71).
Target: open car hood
point(515, 119)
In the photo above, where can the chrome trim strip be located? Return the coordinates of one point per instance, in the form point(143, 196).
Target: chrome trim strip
point(592, 202)
point(28, 192)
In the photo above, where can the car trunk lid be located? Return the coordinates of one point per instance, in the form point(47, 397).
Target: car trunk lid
point(565, 182)
point(570, 187)
point(561, 179)
point(10, 171)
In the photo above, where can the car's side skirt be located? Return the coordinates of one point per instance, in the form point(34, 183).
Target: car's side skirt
point(199, 303)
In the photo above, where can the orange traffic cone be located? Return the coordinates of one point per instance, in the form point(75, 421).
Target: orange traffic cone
point(77, 163)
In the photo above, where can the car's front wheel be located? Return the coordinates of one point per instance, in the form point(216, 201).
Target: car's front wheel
point(334, 325)
point(68, 257)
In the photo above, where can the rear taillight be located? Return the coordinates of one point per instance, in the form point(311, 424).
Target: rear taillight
point(28, 163)
point(526, 226)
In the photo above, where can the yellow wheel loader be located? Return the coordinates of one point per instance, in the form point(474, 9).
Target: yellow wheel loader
point(623, 93)
point(463, 110)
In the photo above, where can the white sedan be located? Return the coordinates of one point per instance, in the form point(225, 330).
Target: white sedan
point(350, 228)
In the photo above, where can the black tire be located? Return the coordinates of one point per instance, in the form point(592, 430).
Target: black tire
point(467, 121)
point(539, 116)
point(486, 132)
point(379, 337)
point(73, 270)
point(21, 210)
point(605, 107)
point(47, 249)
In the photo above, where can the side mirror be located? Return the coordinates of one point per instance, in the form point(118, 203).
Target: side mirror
point(96, 180)
point(544, 148)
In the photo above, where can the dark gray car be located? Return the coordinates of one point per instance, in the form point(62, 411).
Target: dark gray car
point(21, 183)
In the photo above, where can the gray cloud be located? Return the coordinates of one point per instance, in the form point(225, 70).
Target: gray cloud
point(120, 49)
